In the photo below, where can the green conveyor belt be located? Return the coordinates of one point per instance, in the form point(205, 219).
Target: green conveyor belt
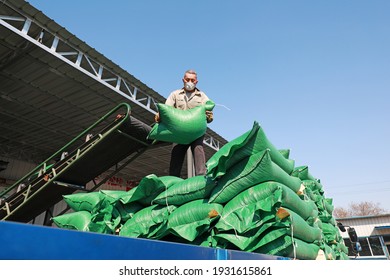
point(123, 137)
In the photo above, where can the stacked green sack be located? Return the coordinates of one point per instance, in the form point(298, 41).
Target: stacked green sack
point(252, 199)
point(249, 143)
point(333, 244)
point(107, 211)
point(92, 211)
point(263, 215)
point(251, 165)
point(254, 184)
point(162, 208)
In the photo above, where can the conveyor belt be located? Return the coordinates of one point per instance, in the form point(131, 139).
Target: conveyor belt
point(120, 139)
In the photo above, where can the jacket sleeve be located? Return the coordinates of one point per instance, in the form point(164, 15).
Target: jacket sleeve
point(171, 101)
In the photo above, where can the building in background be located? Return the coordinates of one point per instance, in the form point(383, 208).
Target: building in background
point(373, 234)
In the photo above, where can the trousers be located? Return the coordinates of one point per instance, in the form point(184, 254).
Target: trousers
point(178, 154)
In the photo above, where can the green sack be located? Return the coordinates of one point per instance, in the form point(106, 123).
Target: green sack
point(194, 188)
point(343, 256)
point(328, 204)
point(272, 231)
point(331, 233)
point(315, 196)
point(325, 210)
point(127, 211)
point(106, 220)
point(341, 251)
point(84, 201)
point(314, 185)
point(259, 203)
point(298, 227)
point(250, 171)
point(249, 143)
point(180, 126)
point(192, 219)
point(149, 188)
point(150, 222)
point(250, 208)
point(279, 243)
point(285, 153)
point(114, 198)
point(246, 241)
point(330, 253)
point(340, 247)
point(302, 172)
point(74, 220)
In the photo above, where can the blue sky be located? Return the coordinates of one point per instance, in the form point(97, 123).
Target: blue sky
point(314, 74)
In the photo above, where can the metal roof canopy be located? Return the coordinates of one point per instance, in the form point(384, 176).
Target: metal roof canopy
point(53, 86)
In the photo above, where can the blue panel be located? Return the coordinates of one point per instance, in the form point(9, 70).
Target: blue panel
point(31, 242)
point(382, 227)
point(241, 255)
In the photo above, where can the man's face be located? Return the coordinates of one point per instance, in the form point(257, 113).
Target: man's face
point(190, 78)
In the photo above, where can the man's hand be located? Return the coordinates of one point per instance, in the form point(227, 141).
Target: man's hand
point(209, 116)
point(157, 118)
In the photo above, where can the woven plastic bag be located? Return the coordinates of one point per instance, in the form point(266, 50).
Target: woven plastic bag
point(246, 241)
point(194, 188)
point(250, 171)
point(75, 220)
point(330, 253)
point(314, 185)
point(180, 126)
point(150, 222)
point(149, 188)
point(84, 201)
point(279, 243)
point(285, 153)
point(298, 227)
point(251, 142)
point(331, 233)
point(194, 218)
point(302, 172)
point(258, 205)
point(106, 220)
point(114, 198)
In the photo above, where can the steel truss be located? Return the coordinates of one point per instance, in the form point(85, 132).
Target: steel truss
point(64, 51)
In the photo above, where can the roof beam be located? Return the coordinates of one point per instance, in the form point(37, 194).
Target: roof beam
point(59, 48)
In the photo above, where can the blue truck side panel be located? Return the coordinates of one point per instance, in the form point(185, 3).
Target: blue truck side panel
point(31, 242)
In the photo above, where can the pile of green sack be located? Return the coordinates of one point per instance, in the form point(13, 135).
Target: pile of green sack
point(252, 199)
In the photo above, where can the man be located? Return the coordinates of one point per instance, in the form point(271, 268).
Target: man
point(189, 96)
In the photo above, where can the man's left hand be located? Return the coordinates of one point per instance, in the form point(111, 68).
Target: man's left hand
point(209, 116)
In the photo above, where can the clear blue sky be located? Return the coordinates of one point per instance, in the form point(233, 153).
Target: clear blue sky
point(314, 74)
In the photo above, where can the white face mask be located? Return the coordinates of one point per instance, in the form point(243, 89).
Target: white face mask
point(189, 86)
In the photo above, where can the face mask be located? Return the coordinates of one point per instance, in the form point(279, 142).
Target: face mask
point(189, 86)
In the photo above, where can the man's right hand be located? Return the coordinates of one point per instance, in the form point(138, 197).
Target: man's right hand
point(157, 118)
